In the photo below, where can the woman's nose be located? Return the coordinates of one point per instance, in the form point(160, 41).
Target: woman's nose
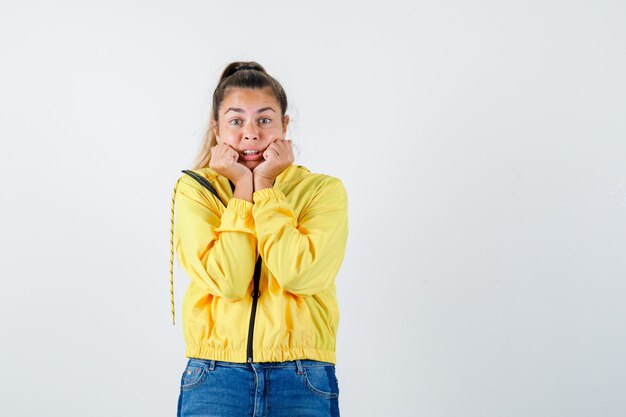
point(250, 131)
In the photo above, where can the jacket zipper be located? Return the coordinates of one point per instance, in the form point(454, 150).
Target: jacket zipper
point(255, 296)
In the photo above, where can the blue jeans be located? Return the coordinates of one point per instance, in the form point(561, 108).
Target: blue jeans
point(299, 388)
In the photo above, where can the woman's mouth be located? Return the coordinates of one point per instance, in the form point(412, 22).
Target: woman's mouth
point(251, 155)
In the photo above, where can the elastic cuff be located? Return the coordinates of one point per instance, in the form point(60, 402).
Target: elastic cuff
point(242, 207)
point(266, 194)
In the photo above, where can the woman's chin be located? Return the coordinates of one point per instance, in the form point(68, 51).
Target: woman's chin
point(251, 164)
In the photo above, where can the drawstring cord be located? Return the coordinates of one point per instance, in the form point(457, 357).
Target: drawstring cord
point(172, 255)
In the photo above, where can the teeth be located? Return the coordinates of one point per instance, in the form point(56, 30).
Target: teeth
point(250, 152)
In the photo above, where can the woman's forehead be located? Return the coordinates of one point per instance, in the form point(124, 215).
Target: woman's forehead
point(241, 93)
point(249, 100)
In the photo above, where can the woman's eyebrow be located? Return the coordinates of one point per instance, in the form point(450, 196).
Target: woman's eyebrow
point(240, 110)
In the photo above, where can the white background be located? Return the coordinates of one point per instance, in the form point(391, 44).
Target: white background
point(482, 144)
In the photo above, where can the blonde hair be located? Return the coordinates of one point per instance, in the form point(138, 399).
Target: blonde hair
point(242, 74)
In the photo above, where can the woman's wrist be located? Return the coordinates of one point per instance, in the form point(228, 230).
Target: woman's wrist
point(244, 188)
point(262, 182)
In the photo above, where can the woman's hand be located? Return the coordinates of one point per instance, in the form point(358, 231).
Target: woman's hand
point(224, 161)
point(278, 156)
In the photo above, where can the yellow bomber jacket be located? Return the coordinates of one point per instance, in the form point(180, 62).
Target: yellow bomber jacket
point(299, 228)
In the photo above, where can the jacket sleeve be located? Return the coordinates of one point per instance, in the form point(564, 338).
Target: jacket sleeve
point(217, 251)
point(303, 254)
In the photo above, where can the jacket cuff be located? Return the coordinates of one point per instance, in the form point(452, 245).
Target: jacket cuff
point(268, 194)
point(237, 217)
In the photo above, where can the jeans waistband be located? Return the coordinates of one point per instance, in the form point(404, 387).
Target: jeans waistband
point(260, 365)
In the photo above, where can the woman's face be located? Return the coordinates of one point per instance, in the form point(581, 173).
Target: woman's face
point(249, 118)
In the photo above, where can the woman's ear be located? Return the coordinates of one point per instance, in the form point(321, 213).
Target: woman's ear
point(215, 130)
point(285, 124)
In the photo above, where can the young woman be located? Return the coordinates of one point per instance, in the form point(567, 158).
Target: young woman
point(260, 314)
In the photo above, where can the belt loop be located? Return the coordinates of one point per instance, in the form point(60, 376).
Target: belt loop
point(211, 364)
point(300, 369)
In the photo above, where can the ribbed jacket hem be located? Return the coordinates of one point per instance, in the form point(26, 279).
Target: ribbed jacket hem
point(260, 355)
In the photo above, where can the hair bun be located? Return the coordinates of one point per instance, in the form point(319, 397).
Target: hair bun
point(243, 67)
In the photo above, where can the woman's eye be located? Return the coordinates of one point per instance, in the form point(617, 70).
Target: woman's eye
point(263, 121)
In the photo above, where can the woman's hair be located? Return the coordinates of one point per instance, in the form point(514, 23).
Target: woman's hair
point(233, 76)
